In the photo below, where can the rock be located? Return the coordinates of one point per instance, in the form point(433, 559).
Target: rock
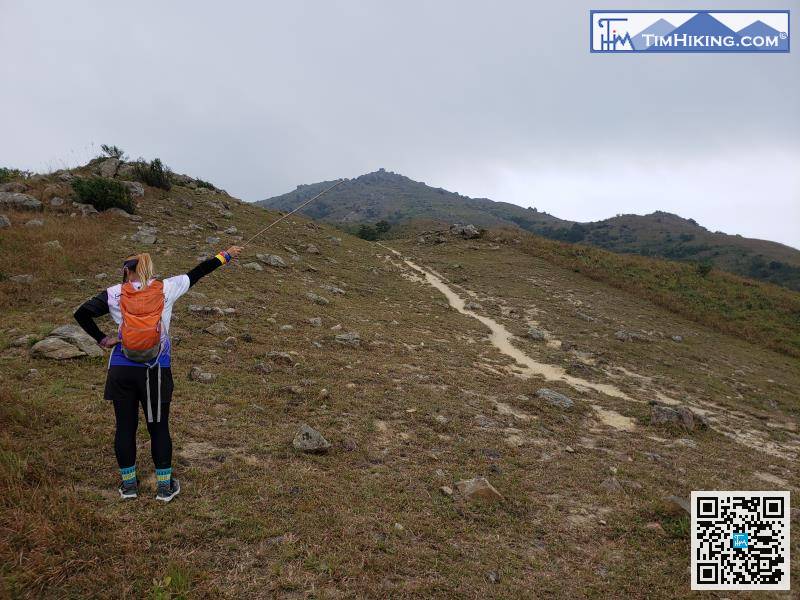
point(66, 176)
point(283, 357)
point(315, 322)
point(310, 440)
point(676, 415)
point(135, 189)
point(19, 201)
point(273, 260)
point(286, 327)
point(312, 249)
point(126, 171)
point(217, 329)
point(630, 336)
point(230, 341)
point(13, 186)
point(86, 210)
point(213, 240)
point(263, 368)
point(317, 299)
point(473, 306)
point(206, 310)
point(677, 506)
point(145, 235)
point(613, 485)
point(554, 398)
point(34, 223)
point(677, 338)
point(253, 266)
point(535, 334)
point(479, 490)
point(55, 349)
point(108, 168)
point(197, 374)
point(53, 245)
point(231, 230)
point(493, 577)
point(24, 279)
point(79, 338)
point(333, 289)
point(351, 338)
point(117, 212)
point(446, 490)
point(22, 341)
point(4, 222)
point(56, 201)
point(468, 232)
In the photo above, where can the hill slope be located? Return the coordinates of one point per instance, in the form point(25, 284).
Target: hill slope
point(422, 398)
point(383, 195)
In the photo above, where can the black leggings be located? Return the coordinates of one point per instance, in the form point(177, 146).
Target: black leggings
point(126, 388)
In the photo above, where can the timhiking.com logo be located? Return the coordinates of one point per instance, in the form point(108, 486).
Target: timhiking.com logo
point(689, 31)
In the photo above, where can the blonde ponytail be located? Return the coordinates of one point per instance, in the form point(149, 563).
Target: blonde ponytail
point(144, 269)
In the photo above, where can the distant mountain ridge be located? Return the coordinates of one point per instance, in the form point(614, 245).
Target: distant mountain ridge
point(407, 205)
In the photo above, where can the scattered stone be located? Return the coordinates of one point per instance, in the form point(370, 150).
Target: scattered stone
point(135, 189)
point(22, 341)
point(283, 357)
point(56, 201)
point(473, 306)
point(317, 299)
point(263, 368)
point(55, 349)
point(333, 289)
point(13, 186)
point(315, 322)
point(231, 230)
point(76, 336)
point(273, 260)
point(630, 336)
point(286, 327)
point(479, 490)
point(554, 398)
point(683, 416)
point(213, 240)
point(613, 485)
point(677, 506)
point(468, 232)
point(34, 223)
point(312, 249)
point(217, 329)
point(655, 526)
point(197, 374)
point(53, 245)
point(4, 222)
point(117, 212)
point(536, 334)
point(24, 279)
point(253, 266)
point(493, 577)
point(205, 310)
point(310, 440)
point(86, 210)
point(19, 201)
point(351, 338)
point(677, 338)
point(230, 341)
point(101, 276)
point(145, 235)
point(446, 490)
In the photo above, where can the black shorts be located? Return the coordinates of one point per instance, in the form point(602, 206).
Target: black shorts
point(130, 383)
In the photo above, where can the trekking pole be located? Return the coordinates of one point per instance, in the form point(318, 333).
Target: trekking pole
point(303, 205)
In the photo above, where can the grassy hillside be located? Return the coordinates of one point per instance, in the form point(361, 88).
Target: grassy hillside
point(423, 400)
point(401, 201)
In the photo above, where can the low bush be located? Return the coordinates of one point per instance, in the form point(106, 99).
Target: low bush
point(154, 173)
point(7, 174)
point(113, 152)
point(205, 184)
point(103, 193)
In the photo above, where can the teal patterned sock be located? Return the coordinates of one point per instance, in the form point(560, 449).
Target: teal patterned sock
point(128, 474)
point(163, 476)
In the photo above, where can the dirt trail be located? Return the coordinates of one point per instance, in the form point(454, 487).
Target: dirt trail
point(720, 419)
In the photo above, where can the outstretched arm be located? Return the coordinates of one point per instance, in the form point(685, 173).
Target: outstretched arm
point(90, 310)
point(205, 267)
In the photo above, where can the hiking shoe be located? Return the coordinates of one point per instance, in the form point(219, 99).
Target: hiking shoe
point(129, 490)
point(167, 492)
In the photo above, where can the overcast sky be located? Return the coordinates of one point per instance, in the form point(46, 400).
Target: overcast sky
point(489, 99)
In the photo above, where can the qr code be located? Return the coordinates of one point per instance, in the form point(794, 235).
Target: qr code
point(740, 540)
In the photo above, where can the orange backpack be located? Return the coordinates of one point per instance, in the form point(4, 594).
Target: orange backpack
point(141, 321)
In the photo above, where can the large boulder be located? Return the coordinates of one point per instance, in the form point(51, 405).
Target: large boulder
point(145, 235)
point(681, 416)
point(19, 201)
point(13, 186)
point(273, 260)
point(468, 232)
point(108, 168)
point(65, 342)
point(126, 171)
point(135, 189)
point(87, 210)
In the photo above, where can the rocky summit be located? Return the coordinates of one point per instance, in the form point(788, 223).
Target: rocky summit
point(459, 412)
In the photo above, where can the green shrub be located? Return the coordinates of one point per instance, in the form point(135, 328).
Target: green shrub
point(367, 232)
point(704, 268)
point(103, 193)
point(7, 174)
point(113, 152)
point(205, 184)
point(154, 173)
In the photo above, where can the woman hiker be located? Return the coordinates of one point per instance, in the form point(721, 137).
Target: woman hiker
point(139, 370)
